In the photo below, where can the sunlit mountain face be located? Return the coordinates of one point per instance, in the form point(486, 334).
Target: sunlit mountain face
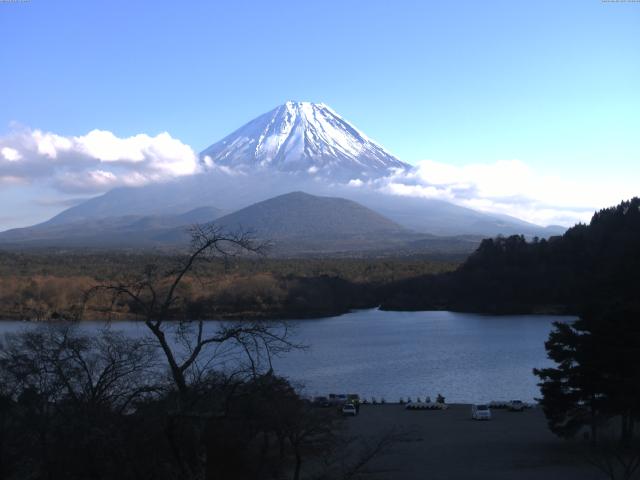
point(303, 137)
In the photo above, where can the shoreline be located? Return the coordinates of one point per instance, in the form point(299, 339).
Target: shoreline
point(309, 316)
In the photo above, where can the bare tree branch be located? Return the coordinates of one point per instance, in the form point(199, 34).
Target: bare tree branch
point(155, 296)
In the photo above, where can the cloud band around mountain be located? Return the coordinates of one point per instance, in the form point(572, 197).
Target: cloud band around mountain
point(509, 187)
point(99, 161)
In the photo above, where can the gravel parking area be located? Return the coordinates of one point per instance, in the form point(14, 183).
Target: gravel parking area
point(449, 445)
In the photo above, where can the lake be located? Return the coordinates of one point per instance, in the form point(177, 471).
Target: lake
point(465, 357)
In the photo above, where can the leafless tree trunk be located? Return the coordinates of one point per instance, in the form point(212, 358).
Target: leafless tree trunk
point(156, 296)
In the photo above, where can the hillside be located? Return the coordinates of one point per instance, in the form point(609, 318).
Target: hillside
point(300, 224)
point(588, 265)
point(108, 232)
point(437, 217)
point(295, 224)
point(299, 214)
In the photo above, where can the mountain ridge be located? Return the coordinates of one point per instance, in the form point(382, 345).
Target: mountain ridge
point(298, 146)
point(298, 214)
point(294, 224)
point(303, 137)
point(125, 230)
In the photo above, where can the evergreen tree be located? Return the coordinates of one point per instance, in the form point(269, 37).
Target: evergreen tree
point(597, 376)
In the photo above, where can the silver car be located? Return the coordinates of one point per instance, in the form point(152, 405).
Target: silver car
point(480, 412)
point(349, 409)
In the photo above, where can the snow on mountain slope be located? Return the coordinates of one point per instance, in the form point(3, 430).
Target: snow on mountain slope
point(303, 137)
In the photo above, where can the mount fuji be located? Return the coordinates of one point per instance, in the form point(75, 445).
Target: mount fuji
point(303, 137)
point(296, 147)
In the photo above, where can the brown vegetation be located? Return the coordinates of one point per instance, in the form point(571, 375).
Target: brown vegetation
point(41, 286)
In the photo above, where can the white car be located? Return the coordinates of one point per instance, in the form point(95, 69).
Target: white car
point(480, 412)
point(516, 406)
point(349, 409)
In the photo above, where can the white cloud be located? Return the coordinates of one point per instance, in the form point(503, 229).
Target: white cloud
point(211, 166)
point(95, 162)
point(508, 187)
point(99, 161)
point(10, 154)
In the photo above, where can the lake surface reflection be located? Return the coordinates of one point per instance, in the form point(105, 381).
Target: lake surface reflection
point(466, 357)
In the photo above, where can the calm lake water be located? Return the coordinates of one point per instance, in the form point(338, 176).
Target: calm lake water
point(466, 357)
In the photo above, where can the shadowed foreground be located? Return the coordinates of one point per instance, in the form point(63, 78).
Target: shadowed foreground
point(449, 445)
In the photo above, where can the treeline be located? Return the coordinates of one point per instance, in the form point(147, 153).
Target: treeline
point(107, 265)
point(51, 285)
point(598, 263)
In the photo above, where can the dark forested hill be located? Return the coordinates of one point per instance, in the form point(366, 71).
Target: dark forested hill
point(299, 214)
point(295, 224)
point(298, 224)
point(589, 264)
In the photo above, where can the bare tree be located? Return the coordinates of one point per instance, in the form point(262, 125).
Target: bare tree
point(107, 370)
point(192, 349)
point(155, 295)
point(64, 390)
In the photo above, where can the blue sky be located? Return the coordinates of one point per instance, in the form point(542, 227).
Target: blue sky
point(552, 84)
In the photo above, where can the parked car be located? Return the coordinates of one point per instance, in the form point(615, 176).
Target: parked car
point(516, 406)
point(349, 409)
point(480, 412)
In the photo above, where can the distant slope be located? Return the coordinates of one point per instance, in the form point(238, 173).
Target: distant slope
point(122, 231)
point(438, 217)
point(160, 199)
point(232, 193)
point(299, 224)
point(299, 214)
point(295, 224)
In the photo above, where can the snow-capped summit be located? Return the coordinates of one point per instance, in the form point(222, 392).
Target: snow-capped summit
point(303, 137)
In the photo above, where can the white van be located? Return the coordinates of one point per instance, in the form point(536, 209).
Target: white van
point(349, 409)
point(480, 412)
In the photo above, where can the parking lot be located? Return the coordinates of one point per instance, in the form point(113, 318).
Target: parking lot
point(449, 445)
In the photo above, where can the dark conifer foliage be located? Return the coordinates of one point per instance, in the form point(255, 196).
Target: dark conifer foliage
point(595, 264)
point(597, 377)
